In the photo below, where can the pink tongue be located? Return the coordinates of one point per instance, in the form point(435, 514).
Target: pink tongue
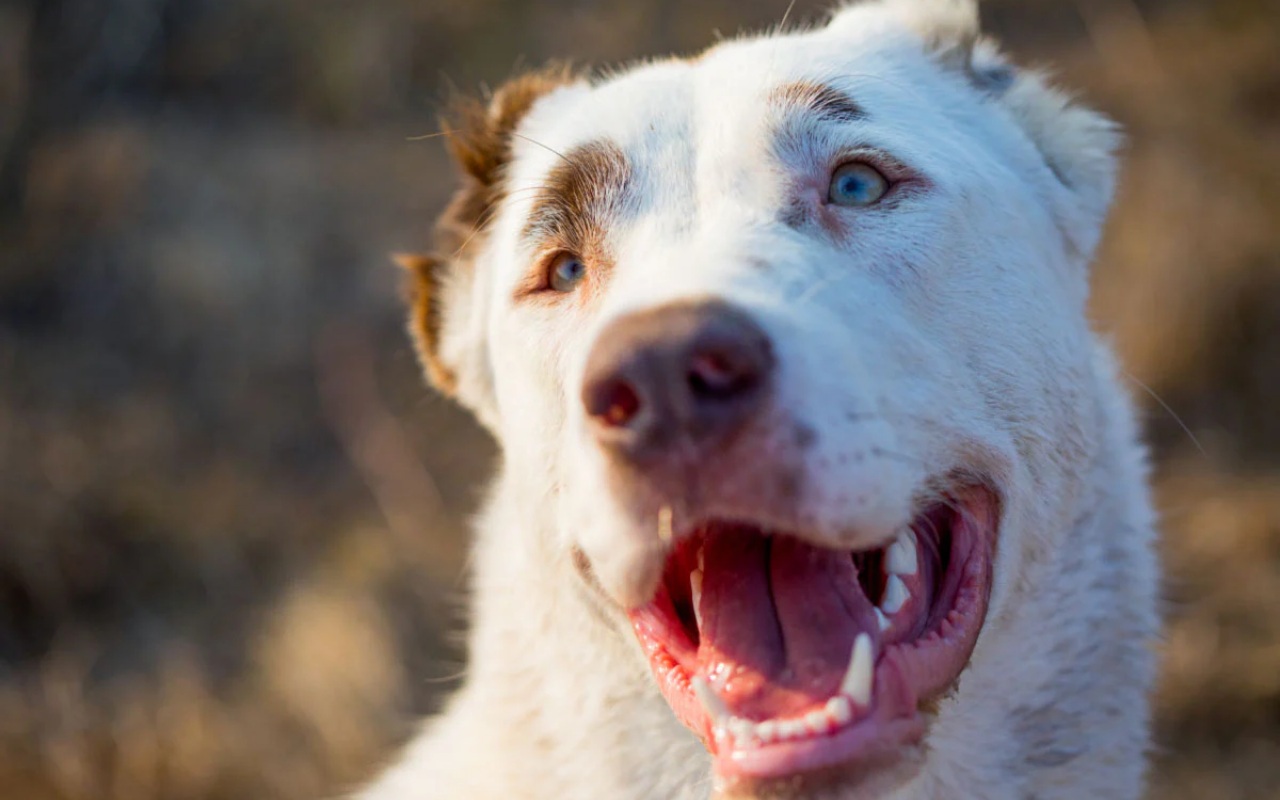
point(778, 621)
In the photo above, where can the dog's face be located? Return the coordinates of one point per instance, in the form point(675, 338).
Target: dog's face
point(786, 338)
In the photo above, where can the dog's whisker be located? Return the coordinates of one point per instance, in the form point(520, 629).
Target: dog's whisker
point(782, 23)
point(491, 212)
point(1169, 410)
point(549, 149)
point(425, 136)
point(880, 452)
point(487, 218)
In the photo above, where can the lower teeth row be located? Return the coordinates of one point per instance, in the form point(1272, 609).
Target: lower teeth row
point(901, 559)
point(855, 691)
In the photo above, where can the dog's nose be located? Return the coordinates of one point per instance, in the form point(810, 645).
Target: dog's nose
point(688, 373)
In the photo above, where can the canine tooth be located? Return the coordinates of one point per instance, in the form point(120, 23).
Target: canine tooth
point(861, 672)
point(817, 722)
point(695, 595)
point(895, 595)
point(710, 701)
point(840, 710)
point(882, 621)
point(901, 557)
point(767, 731)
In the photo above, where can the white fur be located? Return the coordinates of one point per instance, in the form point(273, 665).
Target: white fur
point(953, 325)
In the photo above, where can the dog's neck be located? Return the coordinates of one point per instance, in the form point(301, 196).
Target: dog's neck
point(558, 702)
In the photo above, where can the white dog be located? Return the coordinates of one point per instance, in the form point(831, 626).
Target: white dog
point(815, 482)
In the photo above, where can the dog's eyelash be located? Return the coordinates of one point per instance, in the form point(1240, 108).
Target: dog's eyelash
point(893, 168)
point(538, 279)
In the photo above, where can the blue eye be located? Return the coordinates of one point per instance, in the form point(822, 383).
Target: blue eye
point(566, 272)
point(857, 184)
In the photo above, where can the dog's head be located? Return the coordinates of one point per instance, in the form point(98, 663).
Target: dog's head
point(790, 337)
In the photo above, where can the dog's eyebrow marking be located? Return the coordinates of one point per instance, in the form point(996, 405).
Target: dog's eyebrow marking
point(825, 102)
point(579, 196)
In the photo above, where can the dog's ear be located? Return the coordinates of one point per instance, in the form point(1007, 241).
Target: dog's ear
point(423, 295)
point(445, 291)
point(948, 28)
point(1077, 144)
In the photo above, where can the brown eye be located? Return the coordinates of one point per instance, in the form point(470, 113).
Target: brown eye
point(857, 185)
point(566, 272)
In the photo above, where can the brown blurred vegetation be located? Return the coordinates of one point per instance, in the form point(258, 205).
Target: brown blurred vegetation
point(231, 518)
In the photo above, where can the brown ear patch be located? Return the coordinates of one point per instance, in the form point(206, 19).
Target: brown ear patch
point(480, 133)
point(423, 294)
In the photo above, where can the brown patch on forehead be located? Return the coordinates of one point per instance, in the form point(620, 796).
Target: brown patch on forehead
point(823, 101)
point(581, 198)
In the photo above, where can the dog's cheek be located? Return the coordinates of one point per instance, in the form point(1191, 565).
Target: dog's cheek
point(523, 350)
point(626, 560)
point(537, 356)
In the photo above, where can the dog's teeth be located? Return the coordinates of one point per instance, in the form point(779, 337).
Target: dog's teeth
point(767, 731)
point(695, 595)
point(861, 672)
point(901, 557)
point(711, 702)
point(742, 729)
point(818, 722)
point(895, 595)
point(792, 729)
point(839, 709)
point(882, 621)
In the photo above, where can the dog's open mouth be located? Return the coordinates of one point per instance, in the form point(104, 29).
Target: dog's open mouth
point(785, 657)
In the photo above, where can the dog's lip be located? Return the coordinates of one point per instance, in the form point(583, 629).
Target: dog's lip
point(906, 672)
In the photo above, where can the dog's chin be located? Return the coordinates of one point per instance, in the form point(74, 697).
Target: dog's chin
point(868, 778)
point(798, 665)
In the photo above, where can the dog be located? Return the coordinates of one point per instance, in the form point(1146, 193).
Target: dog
point(815, 481)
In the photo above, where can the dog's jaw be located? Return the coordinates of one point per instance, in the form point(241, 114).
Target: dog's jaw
point(776, 655)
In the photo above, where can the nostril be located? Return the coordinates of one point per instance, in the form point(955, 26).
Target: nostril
point(717, 376)
point(614, 403)
point(691, 373)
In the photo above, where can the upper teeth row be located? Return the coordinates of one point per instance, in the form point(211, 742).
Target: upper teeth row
point(837, 712)
point(899, 560)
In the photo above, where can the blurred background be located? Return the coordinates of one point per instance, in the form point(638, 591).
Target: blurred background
point(232, 518)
